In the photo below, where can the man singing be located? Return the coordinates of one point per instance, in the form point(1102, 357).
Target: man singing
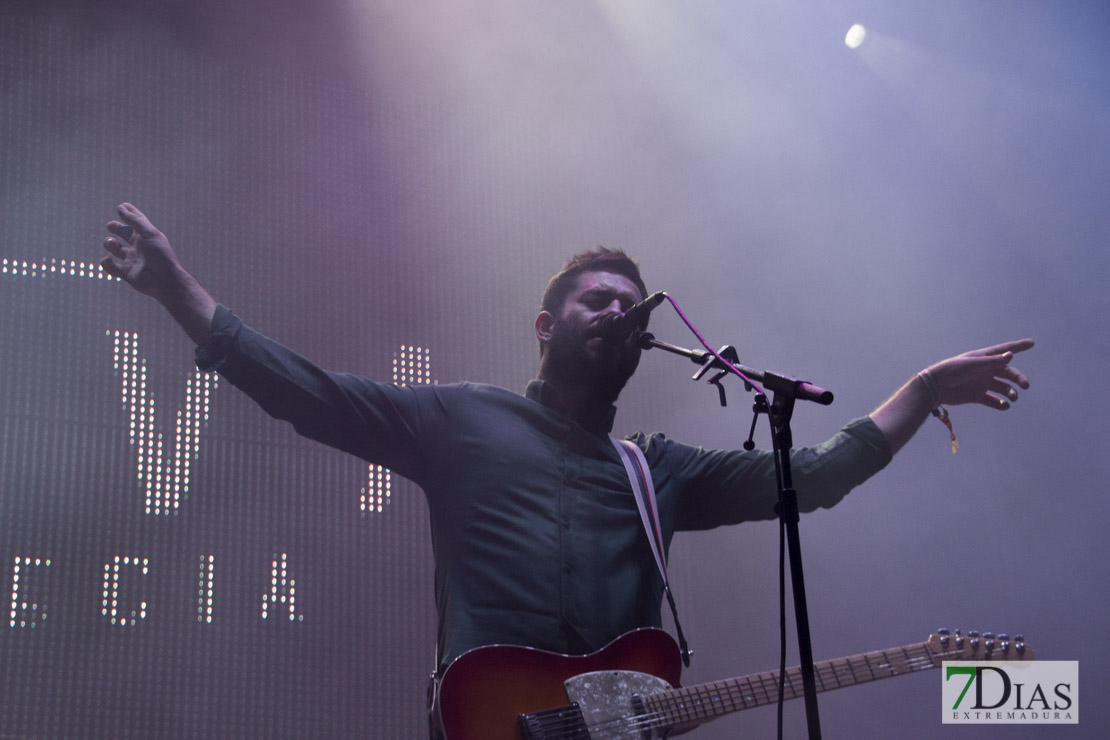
point(537, 537)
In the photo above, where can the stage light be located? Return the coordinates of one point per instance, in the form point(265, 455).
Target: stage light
point(855, 36)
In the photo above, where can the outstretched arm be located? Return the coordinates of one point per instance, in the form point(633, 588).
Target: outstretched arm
point(146, 262)
point(984, 376)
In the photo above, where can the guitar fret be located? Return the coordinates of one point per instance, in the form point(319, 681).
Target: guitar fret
point(682, 706)
point(845, 671)
point(694, 700)
point(660, 704)
point(690, 701)
point(866, 664)
point(792, 686)
point(821, 675)
point(869, 660)
point(767, 697)
point(711, 704)
point(927, 654)
point(763, 689)
point(729, 694)
point(747, 692)
point(861, 668)
point(773, 680)
point(826, 668)
point(906, 660)
point(701, 700)
point(672, 708)
point(726, 703)
point(692, 696)
point(754, 690)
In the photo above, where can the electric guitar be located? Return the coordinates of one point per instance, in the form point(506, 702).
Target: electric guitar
point(629, 690)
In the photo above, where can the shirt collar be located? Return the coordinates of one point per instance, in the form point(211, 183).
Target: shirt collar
point(548, 396)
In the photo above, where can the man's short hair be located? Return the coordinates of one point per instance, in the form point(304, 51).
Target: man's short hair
point(601, 259)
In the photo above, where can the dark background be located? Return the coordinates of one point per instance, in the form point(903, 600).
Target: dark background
point(353, 176)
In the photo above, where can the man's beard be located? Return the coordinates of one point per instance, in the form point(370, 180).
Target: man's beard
point(575, 355)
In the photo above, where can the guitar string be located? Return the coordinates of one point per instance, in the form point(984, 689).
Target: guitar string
point(913, 659)
point(748, 694)
point(676, 711)
point(709, 700)
point(673, 707)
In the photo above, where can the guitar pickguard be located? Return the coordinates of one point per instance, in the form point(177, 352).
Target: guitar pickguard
point(606, 700)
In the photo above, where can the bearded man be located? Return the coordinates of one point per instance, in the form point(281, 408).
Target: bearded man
point(537, 537)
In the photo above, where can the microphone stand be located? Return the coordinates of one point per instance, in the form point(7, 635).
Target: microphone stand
point(786, 391)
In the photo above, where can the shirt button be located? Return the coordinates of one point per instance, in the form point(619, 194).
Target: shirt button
point(566, 524)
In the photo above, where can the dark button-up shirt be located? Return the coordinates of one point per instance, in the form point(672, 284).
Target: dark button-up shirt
point(536, 534)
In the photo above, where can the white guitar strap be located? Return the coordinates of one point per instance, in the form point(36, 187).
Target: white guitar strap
point(639, 475)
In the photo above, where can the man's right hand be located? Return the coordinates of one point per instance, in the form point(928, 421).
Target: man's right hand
point(146, 262)
point(144, 259)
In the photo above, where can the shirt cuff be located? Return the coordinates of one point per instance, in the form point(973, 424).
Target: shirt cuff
point(225, 328)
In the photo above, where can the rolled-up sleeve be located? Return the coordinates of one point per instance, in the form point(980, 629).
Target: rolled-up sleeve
point(716, 487)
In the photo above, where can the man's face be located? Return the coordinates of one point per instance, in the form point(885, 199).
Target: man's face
point(576, 350)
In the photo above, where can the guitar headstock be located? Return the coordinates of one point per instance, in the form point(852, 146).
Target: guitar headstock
point(973, 646)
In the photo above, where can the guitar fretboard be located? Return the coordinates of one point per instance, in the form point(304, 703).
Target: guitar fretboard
point(705, 701)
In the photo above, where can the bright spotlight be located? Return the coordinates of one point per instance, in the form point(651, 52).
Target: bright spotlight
point(855, 36)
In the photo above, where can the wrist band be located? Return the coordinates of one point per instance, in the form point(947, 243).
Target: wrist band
point(931, 386)
point(939, 411)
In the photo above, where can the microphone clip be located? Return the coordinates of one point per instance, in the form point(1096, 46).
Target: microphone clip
point(728, 352)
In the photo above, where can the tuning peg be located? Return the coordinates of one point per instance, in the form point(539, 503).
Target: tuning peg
point(1020, 640)
point(943, 632)
point(1005, 640)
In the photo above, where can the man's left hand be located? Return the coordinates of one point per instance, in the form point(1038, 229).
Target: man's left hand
point(982, 376)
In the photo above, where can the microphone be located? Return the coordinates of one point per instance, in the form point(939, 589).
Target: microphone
point(617, 328)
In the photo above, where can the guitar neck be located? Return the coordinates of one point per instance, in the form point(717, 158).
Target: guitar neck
point(695, 704)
